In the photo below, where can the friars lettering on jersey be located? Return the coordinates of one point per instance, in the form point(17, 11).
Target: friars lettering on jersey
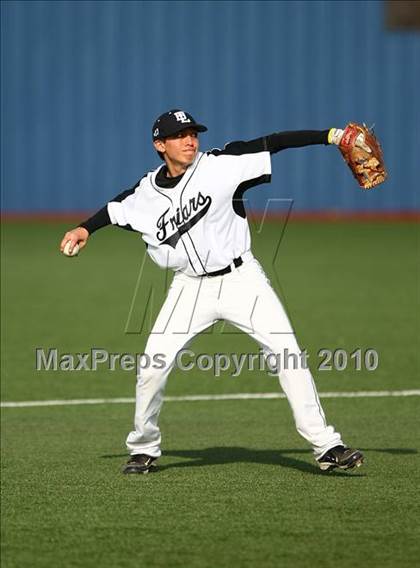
point(184, 218)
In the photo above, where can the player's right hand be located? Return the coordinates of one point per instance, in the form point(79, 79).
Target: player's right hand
point(78, 235)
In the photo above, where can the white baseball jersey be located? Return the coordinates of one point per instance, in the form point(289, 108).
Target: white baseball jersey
point(199, 225)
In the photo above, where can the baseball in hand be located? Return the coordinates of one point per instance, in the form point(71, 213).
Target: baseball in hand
point(74, 252)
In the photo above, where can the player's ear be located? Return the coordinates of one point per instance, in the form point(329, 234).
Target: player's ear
point(159, 145)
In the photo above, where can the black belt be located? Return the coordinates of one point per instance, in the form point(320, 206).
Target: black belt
point(236, 261)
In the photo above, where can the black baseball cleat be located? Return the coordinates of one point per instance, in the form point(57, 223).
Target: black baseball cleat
point(139, 463)
point(341, 457)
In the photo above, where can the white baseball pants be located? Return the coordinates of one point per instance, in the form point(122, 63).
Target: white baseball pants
point(245, 298)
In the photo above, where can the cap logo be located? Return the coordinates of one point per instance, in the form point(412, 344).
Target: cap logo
point(181, 117)
point(156, 132)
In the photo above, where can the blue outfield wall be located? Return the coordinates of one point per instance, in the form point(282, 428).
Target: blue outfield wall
point(83, 81)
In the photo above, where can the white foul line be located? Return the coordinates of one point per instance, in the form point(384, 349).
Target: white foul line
point(204, 397)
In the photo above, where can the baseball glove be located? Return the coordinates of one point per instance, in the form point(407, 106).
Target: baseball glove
point(361, 150)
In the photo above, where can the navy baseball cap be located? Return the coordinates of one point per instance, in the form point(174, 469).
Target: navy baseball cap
point(174, 121)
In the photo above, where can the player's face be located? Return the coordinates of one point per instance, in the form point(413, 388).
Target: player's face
point(179, 149)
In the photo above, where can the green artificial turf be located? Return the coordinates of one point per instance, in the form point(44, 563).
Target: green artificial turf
point(237, 486)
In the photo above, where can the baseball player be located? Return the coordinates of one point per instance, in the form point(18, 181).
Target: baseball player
point(191, 216)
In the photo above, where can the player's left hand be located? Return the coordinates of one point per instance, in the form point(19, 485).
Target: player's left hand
point(361, 143)
point(336, 134)
point(363, 153)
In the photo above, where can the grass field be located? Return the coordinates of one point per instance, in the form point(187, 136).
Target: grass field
point(236, 485)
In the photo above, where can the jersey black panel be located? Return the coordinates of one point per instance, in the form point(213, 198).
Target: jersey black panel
point(241, 147)
point(237, 199)
point(121, 196)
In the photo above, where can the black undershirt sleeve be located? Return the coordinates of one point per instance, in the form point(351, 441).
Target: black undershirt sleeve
point(97, 221)
point(275, 142)
point(295, 139)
